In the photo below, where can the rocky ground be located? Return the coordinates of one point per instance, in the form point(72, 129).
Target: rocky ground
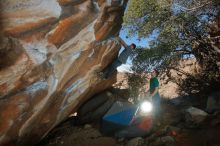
point(180, 124)
point(184, 120)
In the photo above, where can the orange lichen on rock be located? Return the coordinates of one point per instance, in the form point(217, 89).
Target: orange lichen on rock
point(3, 88)
point(62, 29)
point(28, 27)
point(103, 31)
point(11, 111)
point(69, 2)
point(49, 66)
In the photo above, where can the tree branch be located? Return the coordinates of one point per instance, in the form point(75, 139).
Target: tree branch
point(194, 8)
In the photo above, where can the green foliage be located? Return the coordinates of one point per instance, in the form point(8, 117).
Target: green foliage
point(182, 25)
point(137, 83)
point(143, 16)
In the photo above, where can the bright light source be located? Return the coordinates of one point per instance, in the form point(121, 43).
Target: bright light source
point(146, 107)
point(73, 115)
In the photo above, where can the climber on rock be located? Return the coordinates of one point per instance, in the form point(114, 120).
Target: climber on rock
point(122, 58)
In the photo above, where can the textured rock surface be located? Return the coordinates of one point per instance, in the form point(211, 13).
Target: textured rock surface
point(68, 135)
point(195, 115)
point(50, 52)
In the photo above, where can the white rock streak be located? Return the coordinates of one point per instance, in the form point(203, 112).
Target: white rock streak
point(51, 6)
point(28, 11)
point(52, 83)
point(36, 86)
point(36, 50)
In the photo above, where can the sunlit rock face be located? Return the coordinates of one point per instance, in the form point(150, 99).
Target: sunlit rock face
point(50, 52)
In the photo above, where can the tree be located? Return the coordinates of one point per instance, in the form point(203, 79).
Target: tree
point(186, 28)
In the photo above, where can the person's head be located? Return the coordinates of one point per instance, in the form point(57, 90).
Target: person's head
point(154, 73)
point(133, 46)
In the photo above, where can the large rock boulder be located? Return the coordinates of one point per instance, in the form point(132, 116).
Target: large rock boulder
point(213, 102)
point(94, 109)
point(195, 116)
point(50, 52)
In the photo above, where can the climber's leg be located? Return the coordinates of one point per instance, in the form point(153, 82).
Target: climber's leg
point(111, 68)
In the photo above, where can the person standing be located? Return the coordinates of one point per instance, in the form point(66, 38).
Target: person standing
point(154, 92)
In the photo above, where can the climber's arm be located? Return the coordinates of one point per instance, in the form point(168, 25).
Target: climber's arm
point(122, 42)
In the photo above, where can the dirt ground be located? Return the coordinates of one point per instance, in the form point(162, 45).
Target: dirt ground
point(68, 134)
point(205, 135)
